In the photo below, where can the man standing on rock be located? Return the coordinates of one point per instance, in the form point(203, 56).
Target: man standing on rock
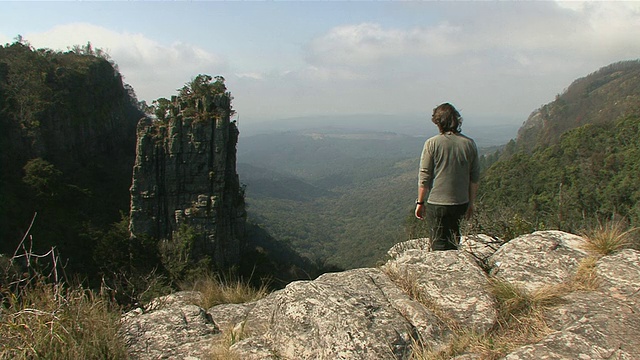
point(448, 179)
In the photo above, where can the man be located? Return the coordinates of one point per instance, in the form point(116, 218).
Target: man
point(448, 179)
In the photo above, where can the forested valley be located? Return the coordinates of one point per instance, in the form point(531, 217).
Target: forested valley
point(343, 198)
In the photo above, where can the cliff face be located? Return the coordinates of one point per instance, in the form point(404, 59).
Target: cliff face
point(67, 133)
point(185, 174)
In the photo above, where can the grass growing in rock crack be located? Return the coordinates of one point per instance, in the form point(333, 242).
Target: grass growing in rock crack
point(521, 312)
point(520, 316)
point(221, 349)
point(585, 277)
point(217, 289)
point(408, 282)
point(610, 237)
point(520, 321)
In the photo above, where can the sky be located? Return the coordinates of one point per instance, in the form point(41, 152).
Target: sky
point(495, 61)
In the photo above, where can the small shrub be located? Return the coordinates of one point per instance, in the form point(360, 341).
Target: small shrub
point(500, 222)
point(175, 253)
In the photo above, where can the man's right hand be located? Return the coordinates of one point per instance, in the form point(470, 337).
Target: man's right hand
point(469, 213)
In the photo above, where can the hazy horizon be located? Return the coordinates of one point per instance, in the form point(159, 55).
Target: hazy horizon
point(301, 59)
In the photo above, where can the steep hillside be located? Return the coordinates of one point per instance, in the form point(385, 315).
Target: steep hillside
point(589, 176)
point(576, 160)
point(600, 97)
point(68, 145)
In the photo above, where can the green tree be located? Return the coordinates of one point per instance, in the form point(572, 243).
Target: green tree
point(42, 177)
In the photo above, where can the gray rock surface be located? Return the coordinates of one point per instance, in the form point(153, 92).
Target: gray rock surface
point(538, 259)
point(590, 325)
point(168, 328)
point(374, 313)
point(452, 282)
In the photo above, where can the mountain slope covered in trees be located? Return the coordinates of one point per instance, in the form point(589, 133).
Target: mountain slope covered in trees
point(576, 161)
point(591, 175)
point(598, 98)
point(68, 144)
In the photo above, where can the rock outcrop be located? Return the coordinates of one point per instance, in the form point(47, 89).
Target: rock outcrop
point(185, 173)
point(418, 299)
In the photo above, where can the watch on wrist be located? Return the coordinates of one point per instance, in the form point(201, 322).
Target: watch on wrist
point(419, 202)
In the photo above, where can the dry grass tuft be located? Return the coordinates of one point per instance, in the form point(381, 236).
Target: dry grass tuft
point(610, 237)
point(217, 290)
point(521, 313)
point(520, 322)
point(42, 317)
point(517, 306)
point(50, 321)
point(586, 277)
point(460, 343)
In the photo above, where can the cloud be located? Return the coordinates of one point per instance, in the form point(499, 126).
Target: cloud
point(517, 32)
point(153, 69)
point(251, 75)
point(369, 42)
point(494, 57)
point(488, 57)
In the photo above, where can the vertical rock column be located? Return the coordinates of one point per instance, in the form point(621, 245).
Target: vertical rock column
point(185, 173)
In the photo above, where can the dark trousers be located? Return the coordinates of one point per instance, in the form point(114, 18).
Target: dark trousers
point(445, 225)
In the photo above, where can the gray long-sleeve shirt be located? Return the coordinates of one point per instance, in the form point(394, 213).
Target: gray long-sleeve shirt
point(449, 163)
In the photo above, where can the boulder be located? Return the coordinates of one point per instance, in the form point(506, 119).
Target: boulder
point(169, 327)
point(356, 314)
point(538, 259)
point(452, 283)
point(590, 325)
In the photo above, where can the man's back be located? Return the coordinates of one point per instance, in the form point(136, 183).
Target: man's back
point(449, 162)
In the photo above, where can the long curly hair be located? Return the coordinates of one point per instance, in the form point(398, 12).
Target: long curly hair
point(447, 118)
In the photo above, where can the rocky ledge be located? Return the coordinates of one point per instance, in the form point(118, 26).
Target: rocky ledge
point(417, 300)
